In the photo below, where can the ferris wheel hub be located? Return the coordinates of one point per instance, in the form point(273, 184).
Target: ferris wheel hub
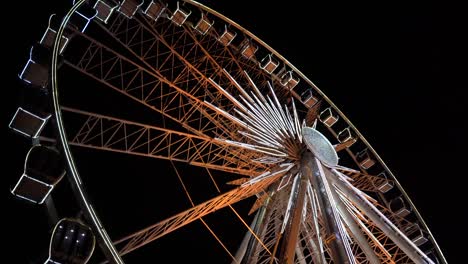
point(320, 146)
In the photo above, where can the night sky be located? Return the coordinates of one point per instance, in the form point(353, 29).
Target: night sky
point(389, 67)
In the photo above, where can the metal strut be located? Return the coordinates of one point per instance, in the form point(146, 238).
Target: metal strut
point(312, 168)
point(291, 232)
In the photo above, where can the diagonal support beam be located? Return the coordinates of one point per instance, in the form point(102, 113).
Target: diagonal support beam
point(173, 223)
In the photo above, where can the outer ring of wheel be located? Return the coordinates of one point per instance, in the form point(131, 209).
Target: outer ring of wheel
point(74, 178)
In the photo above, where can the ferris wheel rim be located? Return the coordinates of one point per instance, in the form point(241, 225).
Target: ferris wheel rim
point(75, 179)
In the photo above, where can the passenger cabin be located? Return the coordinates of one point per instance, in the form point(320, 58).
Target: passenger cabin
point(71, 242)
point(364, 159)
point(308, 99)
point(104, 10)
point(36, 70)
point(82, 17)
point(129, 7)
point(400, 207)
point(203, 25)
point(328, 117)
point(289, 80)
point(248, 49)
point(227, 36)
point(416, 234)
point(155, 9)
point(48, 38)
point(347, 137)
point(384, 184)
point(43, 169)
point(27, 123)
point(269, 64)
point(180, 15)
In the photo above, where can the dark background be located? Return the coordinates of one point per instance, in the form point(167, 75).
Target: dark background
point(391, 68)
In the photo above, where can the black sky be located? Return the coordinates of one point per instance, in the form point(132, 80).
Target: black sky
point(389, 67)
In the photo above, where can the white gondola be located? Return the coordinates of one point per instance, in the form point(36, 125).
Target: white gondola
point(155, 9)
point(308, 98)
point(329, 117)
point(27, 123)
point(269, 64)
point(347, 136)
point(416, 234)
point(48, 38)
point(289, 80)
point(71, 242)
point(129, 7)
point(227, 36)
point(180, 15)
point(81, 19)
point(203, 25)
point(36, 71)
point(365, 160)
point(384, 185)
point(104, 10)
point(400, 207)
point(43, 169)
point(248, 48)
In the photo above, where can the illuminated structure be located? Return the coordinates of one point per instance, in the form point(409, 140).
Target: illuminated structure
point(228, 102)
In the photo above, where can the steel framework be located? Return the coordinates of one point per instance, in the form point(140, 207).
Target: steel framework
point(226, 101)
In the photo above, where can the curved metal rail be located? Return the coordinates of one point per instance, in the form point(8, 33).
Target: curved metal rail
point(75, 181)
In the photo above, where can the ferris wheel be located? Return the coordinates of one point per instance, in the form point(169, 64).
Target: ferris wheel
point(176, 92)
